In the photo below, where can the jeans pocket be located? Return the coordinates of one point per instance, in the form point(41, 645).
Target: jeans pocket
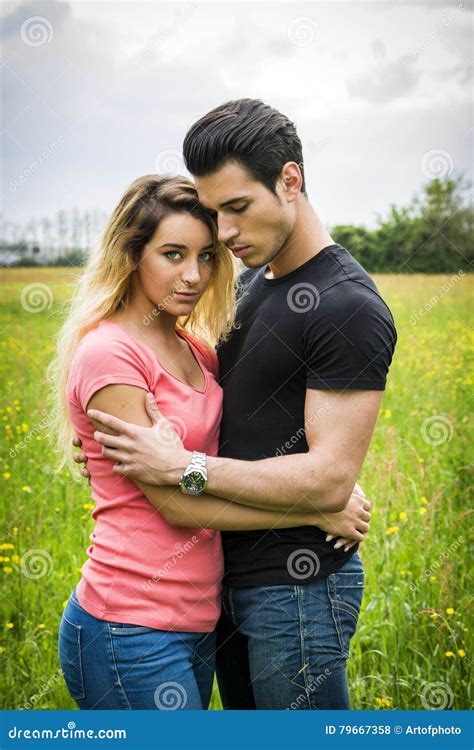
point(70, 656)
point(125, 628)
point(345, 591)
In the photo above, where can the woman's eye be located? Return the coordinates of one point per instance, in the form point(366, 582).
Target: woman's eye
point(172, 254)
point(240, 210)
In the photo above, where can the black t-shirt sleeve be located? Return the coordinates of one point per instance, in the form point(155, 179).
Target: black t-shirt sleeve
point(348, 340)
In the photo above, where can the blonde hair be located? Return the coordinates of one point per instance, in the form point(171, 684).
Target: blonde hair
point(104, 286)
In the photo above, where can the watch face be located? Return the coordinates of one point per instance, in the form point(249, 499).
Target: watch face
point(194, 483)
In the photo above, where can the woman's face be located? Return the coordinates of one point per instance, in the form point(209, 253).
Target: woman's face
point(177, 264)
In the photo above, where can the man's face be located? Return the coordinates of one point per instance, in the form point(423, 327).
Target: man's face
point(252, 221)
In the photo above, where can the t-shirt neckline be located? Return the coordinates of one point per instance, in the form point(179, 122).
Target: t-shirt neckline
point(181, 335)
point(281, 279)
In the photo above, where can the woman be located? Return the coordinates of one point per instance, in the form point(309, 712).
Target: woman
point(138, 630)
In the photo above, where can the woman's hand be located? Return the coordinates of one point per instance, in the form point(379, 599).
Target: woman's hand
point(348, 526)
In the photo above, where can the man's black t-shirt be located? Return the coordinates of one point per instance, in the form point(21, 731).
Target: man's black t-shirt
point(322, 326)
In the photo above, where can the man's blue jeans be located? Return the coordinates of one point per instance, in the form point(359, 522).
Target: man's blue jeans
point(111, 665)
point(286, 646)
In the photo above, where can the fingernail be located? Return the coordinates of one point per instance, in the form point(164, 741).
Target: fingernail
point(346, 549)
point(337, 545)
point(150, 397)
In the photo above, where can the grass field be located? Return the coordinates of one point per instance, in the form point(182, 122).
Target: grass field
point(411, 649)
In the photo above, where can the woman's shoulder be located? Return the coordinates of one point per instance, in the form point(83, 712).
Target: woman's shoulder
point(107, 340)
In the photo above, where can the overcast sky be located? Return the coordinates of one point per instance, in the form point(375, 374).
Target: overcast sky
point(97, 94)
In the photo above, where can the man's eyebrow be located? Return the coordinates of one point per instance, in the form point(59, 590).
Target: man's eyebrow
point(227, 203)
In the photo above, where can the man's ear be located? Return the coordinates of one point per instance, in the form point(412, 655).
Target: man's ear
point(291, 180)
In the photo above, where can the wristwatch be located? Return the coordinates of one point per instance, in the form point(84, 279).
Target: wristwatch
point(194, 479)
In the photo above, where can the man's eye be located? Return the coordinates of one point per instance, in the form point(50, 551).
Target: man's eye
point(172, 254)
point(207, 256)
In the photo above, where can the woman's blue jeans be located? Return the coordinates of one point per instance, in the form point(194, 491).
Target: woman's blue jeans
point(286, 646)
point(112, 665)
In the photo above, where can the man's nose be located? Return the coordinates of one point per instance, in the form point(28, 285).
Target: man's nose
point(225, 229)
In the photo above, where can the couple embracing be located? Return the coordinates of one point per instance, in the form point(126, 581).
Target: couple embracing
point(224, 416)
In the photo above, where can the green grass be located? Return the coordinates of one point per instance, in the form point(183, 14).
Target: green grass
point(416, 605)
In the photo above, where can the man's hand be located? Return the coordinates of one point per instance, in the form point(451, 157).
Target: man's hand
point(155, 455)
point(350, 525)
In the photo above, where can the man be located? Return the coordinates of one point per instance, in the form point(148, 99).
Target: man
point(303, 376)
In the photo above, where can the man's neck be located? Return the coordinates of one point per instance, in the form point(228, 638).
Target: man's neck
point(306, 240)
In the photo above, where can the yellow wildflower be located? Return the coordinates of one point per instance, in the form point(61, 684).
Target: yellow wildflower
point(392, 530)
point(9, 625)
point(6, 475)
point(88, 506)
point(383, 702)
point(449, 653)
point(423, 500)
point(422, 511)
point(450, 611)
point(461, 653)
point(25, 488)
point(402, 515)
point(7, 569)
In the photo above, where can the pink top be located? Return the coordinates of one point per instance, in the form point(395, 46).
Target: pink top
point(142, 570)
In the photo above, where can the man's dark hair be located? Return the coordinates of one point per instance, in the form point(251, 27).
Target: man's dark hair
point(248, 132)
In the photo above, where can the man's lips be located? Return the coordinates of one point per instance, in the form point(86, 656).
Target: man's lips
point(240, 251)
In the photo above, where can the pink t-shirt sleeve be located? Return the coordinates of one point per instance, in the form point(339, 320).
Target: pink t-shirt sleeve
point(104, 360)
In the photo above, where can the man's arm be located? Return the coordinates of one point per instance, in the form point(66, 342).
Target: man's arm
point(339, 426)
point(128, 403)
